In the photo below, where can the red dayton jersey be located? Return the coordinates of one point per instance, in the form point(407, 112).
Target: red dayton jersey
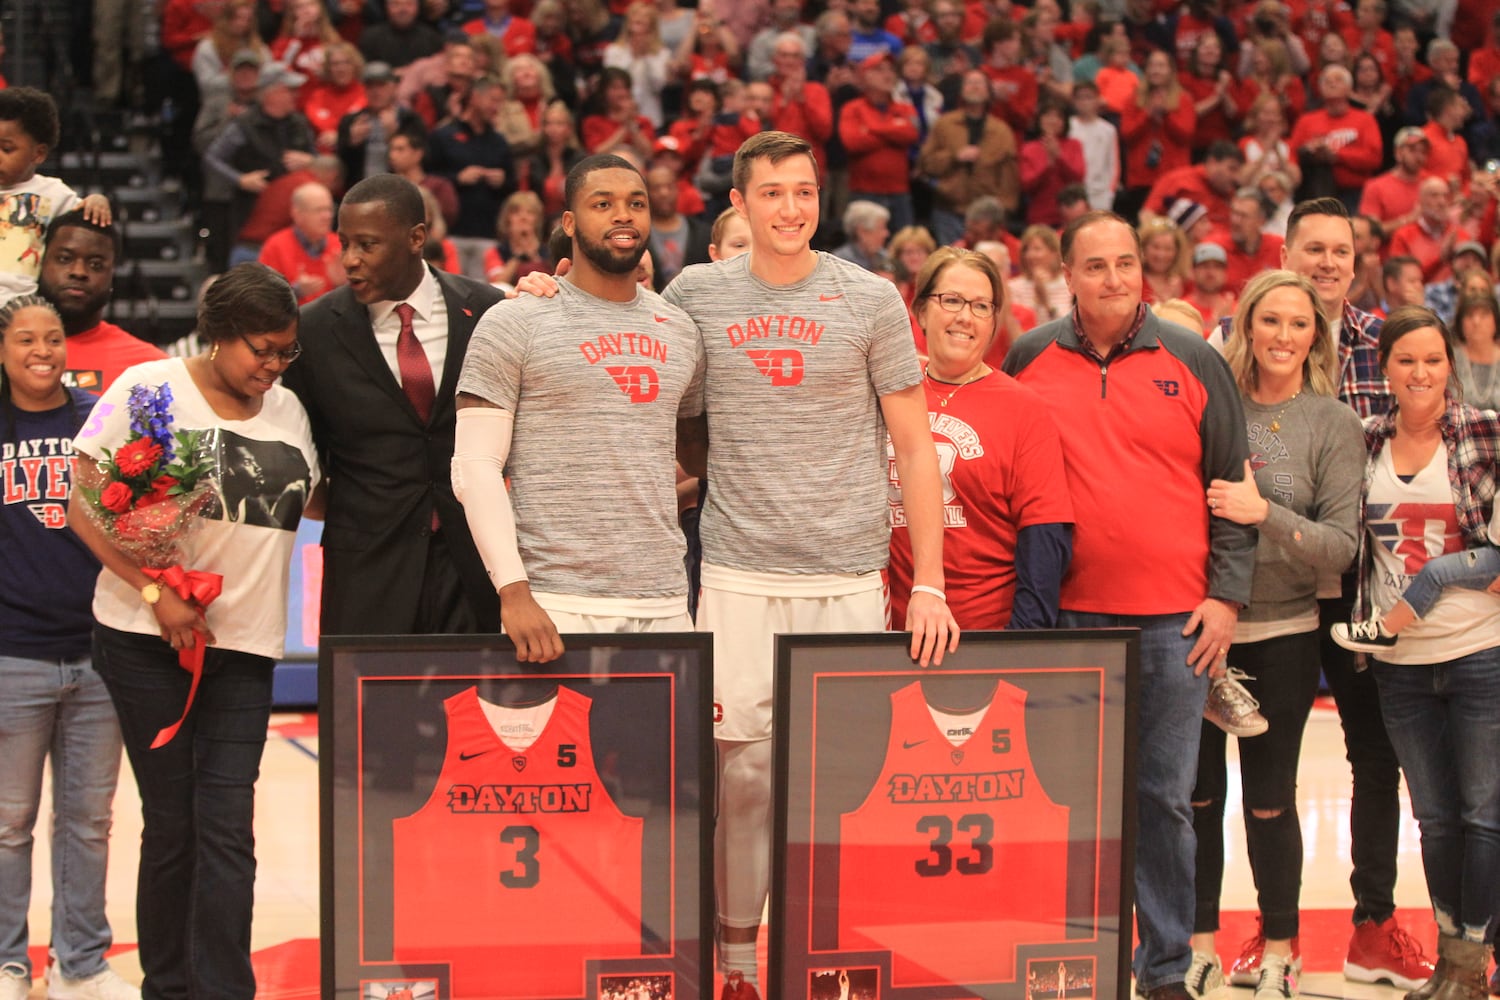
point(521, 850)
point(957, 854)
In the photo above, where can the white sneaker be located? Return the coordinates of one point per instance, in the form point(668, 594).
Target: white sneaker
point(1232, 708)
point(1205, 976)
point(1275, 981)
point(103, 985)
point(15, 981)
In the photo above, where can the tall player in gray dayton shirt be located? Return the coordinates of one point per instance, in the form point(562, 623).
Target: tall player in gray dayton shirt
point(577, 398)
point(810, 360)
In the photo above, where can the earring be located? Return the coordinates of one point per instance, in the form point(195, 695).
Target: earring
point(213, 353)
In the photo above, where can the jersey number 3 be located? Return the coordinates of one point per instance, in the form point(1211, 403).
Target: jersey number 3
point(980, 829)
point(527, 873)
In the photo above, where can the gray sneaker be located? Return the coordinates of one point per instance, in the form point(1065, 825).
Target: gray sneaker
point(1205, 976)
point(1232, 708)
point(103, 985)
point(15, 981)
point(1276, 980)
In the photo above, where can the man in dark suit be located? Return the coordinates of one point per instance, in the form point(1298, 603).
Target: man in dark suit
point(382, 360)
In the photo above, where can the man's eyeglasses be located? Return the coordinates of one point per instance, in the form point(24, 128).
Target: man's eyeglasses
point(953, 302)
point(265, 355)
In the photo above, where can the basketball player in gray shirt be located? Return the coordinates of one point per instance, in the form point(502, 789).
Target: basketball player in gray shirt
point(577, 398)
point(810, 361)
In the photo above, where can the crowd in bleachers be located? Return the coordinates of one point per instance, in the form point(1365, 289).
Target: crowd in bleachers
point(968, 122)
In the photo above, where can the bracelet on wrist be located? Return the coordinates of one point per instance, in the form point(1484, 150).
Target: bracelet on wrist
point(920, 588)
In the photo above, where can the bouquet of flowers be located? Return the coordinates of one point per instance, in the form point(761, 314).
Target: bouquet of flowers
point(155, 484)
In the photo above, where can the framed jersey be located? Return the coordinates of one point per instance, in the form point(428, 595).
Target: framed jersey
point(954, 832)
point(493, 830)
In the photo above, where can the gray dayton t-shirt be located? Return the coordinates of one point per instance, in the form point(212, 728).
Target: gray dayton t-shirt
point(797, 467)
point(596, 388)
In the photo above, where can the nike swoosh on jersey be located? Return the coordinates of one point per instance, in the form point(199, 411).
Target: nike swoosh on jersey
point(908, 744)
point(659, 319)
point(830, 298)
point(471, 756)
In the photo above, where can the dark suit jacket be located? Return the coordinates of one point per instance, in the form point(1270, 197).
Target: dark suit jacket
point(387, 471)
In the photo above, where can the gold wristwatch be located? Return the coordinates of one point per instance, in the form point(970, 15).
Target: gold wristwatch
point(151, 593)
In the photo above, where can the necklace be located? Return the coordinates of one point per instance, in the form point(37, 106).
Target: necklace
point(943, 402)
point(1276, 420)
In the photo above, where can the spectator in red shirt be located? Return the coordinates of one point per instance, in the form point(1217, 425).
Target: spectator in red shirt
point(1484, 64)
point(441, 101)
point(878, 133)
point(516, 34)
point(304, 253)
point(1409, 72)
point(1449, 156)
point(1339, 139)
point(1157, 129)
point(1013, 85)
point(799, 106)
point(405, 154)
point(1049, 163)
point(1271, 73)
point(1433, 235)
point(1369, 34)
point(1312, 19)
point(1211, 294)
point(618, 124)
point(339, 92)
point(1250, 249)
point(913, 25)
point(306, 33)
point(1392, 197)
point(1217, 98)
point(1211, 184)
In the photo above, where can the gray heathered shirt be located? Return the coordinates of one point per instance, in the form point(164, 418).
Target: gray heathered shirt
point(596, 388)
point(1311, 471)
point(797, 465)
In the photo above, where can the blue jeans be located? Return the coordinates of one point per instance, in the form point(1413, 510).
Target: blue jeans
point(1170, 704)
point(196, 886)
point(1471, 569)
point(1444, 720)
point(58, 707)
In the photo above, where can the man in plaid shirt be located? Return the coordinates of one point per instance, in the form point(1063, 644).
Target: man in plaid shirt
point(1320, 247)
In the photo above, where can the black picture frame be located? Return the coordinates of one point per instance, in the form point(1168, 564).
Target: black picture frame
point(839, 907)
point(386, 705)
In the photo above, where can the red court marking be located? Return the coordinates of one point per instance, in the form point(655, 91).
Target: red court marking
point(294, 726)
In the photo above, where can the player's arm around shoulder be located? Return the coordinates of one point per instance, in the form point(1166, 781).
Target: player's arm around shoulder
point(933, 628)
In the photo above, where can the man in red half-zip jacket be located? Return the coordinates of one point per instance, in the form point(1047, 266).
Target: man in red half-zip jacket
point(1149, 415)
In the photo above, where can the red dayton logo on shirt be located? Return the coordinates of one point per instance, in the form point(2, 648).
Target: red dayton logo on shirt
point(638, 382)
point(783, 366)
point(52, 515)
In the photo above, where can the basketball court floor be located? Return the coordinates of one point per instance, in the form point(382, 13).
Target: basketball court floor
point(286, 892)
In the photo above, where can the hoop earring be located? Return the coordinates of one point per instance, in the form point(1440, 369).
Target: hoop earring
point(213, 353)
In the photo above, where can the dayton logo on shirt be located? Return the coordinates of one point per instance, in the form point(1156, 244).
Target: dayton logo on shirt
point(519, 798)
point(782, 365)
point(36, 470)
point(993, 786)
point(638, 382)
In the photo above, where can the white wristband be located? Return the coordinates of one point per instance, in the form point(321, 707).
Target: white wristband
point(918, 588)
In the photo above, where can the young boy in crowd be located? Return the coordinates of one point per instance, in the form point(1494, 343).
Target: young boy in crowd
point(29, 201)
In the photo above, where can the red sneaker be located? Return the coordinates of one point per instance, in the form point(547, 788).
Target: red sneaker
point(1386, 953)
point(735, 988)
point(1245, 970)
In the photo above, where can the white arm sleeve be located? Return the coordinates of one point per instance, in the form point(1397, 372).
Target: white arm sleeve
point(481, 446)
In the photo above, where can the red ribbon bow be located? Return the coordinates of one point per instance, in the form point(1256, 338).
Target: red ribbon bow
point(197, 588)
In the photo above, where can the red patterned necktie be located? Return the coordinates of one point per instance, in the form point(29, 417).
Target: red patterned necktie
point(416, 370)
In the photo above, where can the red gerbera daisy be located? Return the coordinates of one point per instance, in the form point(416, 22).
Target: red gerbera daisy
point(137, 457)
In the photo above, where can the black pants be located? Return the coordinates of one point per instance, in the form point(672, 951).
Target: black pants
point(1284, 674)
point(1375, 806)
point(196, 884)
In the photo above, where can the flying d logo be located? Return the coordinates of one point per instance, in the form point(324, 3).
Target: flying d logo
point(957, 755)
point(519, 763)
point(638, 382)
